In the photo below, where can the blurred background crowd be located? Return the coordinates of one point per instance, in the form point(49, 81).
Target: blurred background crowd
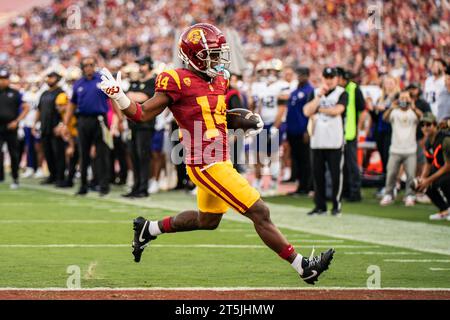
point(383, 47)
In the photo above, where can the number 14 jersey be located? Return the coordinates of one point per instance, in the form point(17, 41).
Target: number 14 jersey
point(199, 108)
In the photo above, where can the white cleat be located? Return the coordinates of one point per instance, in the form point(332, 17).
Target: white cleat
point(387, 200)
point(28, 173)
point(440, 216)
point(39, 174)
point(14, 186)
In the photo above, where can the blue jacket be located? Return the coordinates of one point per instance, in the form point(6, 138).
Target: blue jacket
point(88, 97)
point(295, 119)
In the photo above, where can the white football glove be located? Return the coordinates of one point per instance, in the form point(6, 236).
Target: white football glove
point(273, 131)
point(112, 88)
point(259, 125)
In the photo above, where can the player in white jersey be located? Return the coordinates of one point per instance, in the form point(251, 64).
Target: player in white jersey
point(34, 151)
point(435, 84)
point(270, 97)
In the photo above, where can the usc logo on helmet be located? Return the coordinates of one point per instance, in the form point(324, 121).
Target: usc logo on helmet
point(194, 36)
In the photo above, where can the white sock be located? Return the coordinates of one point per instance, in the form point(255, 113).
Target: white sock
point(153, 228)
point(297, 264)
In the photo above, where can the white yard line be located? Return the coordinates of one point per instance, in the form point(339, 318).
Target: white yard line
point(416, 236)
point(383, 253)
point(209, 246)
point(440, 269)
point(224, 289)
point(417, 260)
point(67, 221)
point(315, 241)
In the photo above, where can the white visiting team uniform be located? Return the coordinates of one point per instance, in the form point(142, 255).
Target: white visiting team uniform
point(267, 98)
point(432, 89)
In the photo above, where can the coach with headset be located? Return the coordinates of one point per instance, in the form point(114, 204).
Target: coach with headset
point(90, 105)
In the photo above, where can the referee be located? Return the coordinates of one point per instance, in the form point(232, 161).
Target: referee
point(12, 110)
point(325, 113)
point(90, 105)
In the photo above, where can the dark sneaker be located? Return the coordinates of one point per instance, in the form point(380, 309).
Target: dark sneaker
point(336, 213)
point(47, 181)
point(103, 192)
point(82, 191)
point(142, 237)
point(317, 212)
point(130, 194)
point(313, 267)
point(142, 194)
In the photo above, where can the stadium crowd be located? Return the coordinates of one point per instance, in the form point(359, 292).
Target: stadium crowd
point(47, 49)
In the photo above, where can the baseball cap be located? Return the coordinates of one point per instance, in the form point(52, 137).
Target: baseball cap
point(428, 117)
point(145, 60)
point(329, 72)
point(413, 85)
point(54, 74)
point(341, 71)
point(303, 71)
point(4, 74)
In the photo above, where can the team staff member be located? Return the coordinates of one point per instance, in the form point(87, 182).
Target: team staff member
point(297, 134)
point(49, 116)
point(90, 105)
point(435, 177)
point(355, 105)
point(327, 140)
point(141, 133)
point(415, 92)
point(12, 110)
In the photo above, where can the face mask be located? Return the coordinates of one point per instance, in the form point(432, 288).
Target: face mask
point(272, 78)
point(220, 68)
point(403, 104)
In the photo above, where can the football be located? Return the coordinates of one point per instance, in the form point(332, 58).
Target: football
point(241, 119)
point(415, 184)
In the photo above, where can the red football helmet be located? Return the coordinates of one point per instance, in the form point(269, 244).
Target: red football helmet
point(203, 46)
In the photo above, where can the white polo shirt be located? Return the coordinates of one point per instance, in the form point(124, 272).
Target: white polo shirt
point(328, 131)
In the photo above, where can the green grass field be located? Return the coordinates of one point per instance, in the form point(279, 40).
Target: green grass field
point(43, 231)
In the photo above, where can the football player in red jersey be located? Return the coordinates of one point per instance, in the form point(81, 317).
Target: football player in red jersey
point(196, 96)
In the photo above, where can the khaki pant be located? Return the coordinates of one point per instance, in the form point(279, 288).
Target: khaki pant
point(409, 162)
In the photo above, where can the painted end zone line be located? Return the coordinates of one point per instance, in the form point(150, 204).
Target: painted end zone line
point(225, 289)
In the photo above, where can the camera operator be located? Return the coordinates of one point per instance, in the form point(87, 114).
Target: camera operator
point(403, 117)
point(435, 177)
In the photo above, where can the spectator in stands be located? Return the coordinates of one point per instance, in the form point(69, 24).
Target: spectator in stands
point(403, 117)
point(443, 100)
point(382, 129)
point(435, 84)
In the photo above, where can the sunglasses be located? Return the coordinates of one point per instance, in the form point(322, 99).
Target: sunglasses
point(426, 124)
